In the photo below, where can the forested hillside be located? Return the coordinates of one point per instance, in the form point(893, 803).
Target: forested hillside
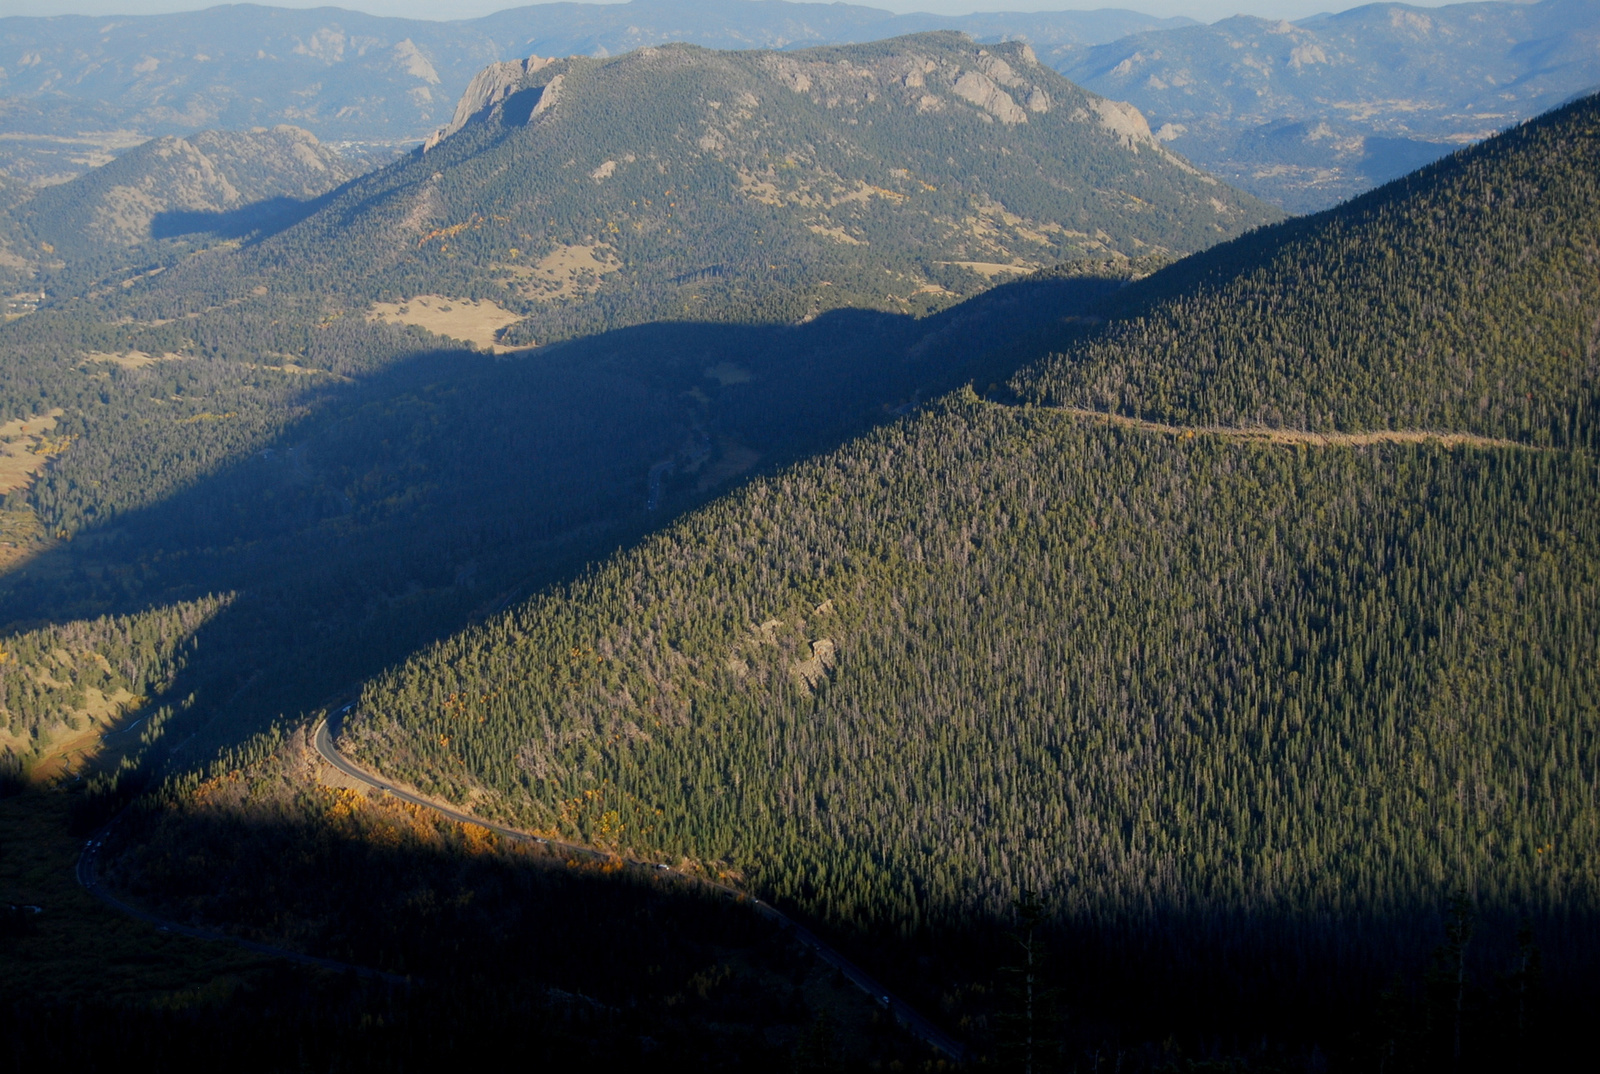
point(1246, 614)
point(294, 417)
point(214, 181)
point(683, 184)
point(1460, 298)
point(1216, 695)
point(382, 493)
point(74, 680)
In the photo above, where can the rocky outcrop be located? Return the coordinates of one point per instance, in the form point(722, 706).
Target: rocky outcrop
point(1004, 87)
point(1123, 120)
point(981, 90)
point(488, 88)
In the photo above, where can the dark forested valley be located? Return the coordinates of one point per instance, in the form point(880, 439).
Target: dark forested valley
point(882, 481)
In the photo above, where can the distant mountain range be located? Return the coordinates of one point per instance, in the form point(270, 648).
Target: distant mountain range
point(1310, 112)
point(74, 88)
point(1303, 114)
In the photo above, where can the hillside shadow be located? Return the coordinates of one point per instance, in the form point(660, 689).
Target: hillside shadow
point(450, 484)
point(257, 219)
point(1159, 982)
point(574, 959)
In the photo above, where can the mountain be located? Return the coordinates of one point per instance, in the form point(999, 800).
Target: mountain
point(370, 84)
point(1307, 113)
point(1242, 631)
point(305, 423)
point(1495, 320)
point(216, 181)
point(1302, 114)
point(681, 183)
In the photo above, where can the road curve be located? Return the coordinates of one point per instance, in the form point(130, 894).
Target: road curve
point(902, 1011)
point(88, 875)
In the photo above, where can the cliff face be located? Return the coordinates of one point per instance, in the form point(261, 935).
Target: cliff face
point(488, 88)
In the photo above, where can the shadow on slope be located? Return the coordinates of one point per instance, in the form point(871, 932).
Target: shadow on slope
point(259, 218)
point(269, 852)
point(407, 503)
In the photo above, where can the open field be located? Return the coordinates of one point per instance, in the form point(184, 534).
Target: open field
point(77, 753)
point(24, 449)
point(990, 269)
point(471, 322)
point(565, 272)
point(132, 359)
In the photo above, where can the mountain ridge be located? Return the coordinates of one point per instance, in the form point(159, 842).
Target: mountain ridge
point(1303, 113)
point(371, 84)
point(684, 183)
point(1522, 277)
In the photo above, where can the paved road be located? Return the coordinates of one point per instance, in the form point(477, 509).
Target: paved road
point(88, 874)
point(903, 1012)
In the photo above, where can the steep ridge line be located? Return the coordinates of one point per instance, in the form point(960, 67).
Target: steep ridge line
point(1299, 436)
point(902, 1011)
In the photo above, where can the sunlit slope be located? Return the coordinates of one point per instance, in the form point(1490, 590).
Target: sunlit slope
point(1463, 297)
point(1140, 671)
point(992, 649)
point(680, 183)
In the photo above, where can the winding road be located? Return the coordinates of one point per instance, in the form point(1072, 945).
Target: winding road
point(902, 1011)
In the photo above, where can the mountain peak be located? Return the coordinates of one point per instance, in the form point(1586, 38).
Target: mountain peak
point(488, 88)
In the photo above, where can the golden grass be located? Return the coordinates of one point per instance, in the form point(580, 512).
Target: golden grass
point(726, 373)
point(79, 752)
point(837, 234)
point(478, 323)
point(990, 269)
point(564, 272)
point(24, 449)
point(20, 536)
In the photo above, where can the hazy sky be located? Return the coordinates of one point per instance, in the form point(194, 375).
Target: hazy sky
point(1205, 10)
